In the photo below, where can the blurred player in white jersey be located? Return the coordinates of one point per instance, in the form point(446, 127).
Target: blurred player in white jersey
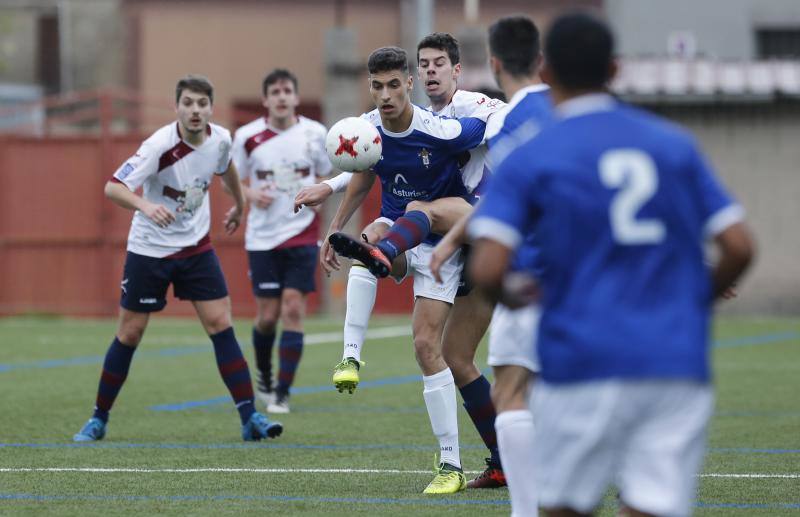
point(620, 203)
point(276, 155)
point(169, 244)
point(439, 68)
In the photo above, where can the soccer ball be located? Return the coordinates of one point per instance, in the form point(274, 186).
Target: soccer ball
point(353, 145)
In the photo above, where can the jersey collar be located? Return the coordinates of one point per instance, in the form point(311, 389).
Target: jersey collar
point(522, 92)
point(585, 104)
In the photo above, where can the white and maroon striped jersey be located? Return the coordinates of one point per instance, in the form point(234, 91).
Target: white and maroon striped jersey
point(282, 161)
point(478, 105)
point(178, 176)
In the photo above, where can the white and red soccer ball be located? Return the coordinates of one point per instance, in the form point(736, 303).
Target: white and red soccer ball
point(353, 145)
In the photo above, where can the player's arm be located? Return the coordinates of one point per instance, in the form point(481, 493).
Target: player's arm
point(230, 179)
point(121, 195)
point(313, 195)
point(354, 196)
point(737, 250)
point(450, 243)
point(463, 134)
point(504, 216)
point(724, 223)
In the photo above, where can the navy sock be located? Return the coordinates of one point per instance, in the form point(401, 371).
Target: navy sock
point(233, 369)
point(290, 349)
point(262, 345)
point(478, 403)
point(115, 371)
point(406, 233)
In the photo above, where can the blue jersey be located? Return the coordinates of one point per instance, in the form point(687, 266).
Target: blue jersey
point(622, 202)
point(421, 163)
point(528, 111)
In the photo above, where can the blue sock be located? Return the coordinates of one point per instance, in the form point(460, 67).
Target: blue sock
point(478, 403)
point(262, 345)
point(407, 232)
point(233, 369)
point(290, 349)
point(115, 371)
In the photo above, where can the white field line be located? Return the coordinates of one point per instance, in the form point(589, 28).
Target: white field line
point(311, 471)
point(310, 339)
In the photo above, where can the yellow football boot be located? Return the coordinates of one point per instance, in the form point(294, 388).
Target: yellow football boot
point(448, 480)
point(345, 375)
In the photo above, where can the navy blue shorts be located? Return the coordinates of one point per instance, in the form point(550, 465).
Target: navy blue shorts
point(272, 271)
point(146, 279)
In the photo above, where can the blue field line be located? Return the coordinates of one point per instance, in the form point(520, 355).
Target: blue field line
point(98, 359)
point(212, 446)
point(340, 500)
point(763, 339)
point(273, 498)
point(388, 381)
point(750, 450)
point(273, 445)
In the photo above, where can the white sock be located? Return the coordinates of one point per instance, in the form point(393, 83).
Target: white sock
point(515, 440)
point(362, 286)
point(440, 399)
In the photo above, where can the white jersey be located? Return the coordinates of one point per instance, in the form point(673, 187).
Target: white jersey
point(178, 176)
point(478, 105)
point(282, 161)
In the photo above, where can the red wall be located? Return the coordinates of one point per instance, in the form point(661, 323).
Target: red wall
point(62, 243)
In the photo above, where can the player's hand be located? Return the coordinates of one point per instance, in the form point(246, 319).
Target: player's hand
point(233, 218)
point(730, 293)
point(328, 259)
point(261, 197)
point(312, 195)
point(443, 251)
point(159, 214)
point(519, 289)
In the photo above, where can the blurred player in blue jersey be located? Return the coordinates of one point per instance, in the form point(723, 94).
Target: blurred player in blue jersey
point(418, 163)
point(621, 202)
point(515, 59)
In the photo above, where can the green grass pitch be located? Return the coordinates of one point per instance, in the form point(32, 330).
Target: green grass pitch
point(173, 443)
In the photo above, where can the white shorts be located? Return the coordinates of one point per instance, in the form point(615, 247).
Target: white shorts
point(646, 437)
point(512, 337)
point(418, 262)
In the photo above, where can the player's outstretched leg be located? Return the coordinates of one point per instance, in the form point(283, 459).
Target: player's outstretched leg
point(372, 257)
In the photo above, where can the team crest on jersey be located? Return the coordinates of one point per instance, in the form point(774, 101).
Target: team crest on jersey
point(426, 157)
point(189, 199)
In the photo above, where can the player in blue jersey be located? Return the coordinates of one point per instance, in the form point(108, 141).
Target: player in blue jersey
point(419, 162)
point(515, 59)
point(439, 68)
point(621, 202)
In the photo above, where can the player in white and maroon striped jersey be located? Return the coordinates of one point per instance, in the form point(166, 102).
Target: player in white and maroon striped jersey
point(277, 155)
point(169, 244)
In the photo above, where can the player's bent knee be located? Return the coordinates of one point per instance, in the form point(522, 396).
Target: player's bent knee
point(130, 336)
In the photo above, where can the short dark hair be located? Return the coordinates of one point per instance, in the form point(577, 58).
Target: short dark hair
point(514, 41)
point(196, 84)
point(387, 59)
point(279, 74)
point(578, 49)
point(441, 41)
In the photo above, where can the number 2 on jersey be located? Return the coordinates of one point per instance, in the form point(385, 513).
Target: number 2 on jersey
point(634, 174)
